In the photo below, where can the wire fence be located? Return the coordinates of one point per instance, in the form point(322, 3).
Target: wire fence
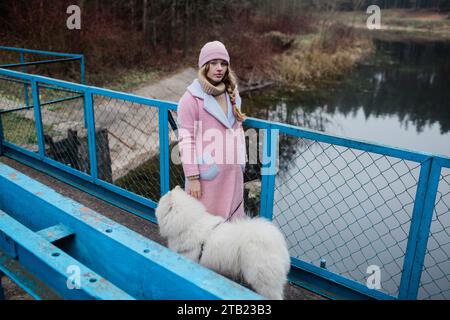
point(18, 120)
point(348, 203)
point(349, 207)
point(130, 134)
point(435, 281)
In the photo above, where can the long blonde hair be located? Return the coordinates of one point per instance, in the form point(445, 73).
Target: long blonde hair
point(230, 81)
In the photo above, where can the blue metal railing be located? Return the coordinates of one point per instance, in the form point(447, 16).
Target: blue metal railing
point(58, 57)
point(417, 214)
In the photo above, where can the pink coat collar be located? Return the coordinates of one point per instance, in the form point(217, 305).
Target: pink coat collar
point(212, 106)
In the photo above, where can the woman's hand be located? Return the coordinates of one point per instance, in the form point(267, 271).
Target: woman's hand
point(194, 188)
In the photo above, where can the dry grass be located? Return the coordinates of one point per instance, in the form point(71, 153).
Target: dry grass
point(312, 60)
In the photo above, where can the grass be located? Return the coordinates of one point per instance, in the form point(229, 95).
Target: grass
point(145, 179)
point(314, 58)
point(132, 79)
point(309, 62)
point(20, 130)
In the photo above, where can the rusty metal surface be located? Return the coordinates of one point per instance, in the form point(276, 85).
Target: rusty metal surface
point(12, 268)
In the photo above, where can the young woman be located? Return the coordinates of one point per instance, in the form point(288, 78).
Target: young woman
point(211, 137)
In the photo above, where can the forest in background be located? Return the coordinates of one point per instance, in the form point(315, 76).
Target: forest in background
point(119, 37)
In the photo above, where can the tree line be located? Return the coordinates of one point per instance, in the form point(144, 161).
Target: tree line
point(439, 5)
point(156, 33)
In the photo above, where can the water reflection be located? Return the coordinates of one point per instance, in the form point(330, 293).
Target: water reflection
point(406, 84)
point(354, 208)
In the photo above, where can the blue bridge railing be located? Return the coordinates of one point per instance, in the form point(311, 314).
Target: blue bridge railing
point(30, 61)
point(345, 206)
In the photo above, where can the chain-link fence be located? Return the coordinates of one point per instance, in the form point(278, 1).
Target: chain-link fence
point(349, 207)
point(105, 139)
point(16, 100)
point(130, 135)
point(435, 281)
point(348, 203)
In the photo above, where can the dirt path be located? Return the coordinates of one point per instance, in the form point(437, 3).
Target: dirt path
point(171, 88)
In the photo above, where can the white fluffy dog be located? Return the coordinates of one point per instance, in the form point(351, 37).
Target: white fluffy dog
point(250, 249)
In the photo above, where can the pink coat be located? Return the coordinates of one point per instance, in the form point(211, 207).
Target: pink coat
point(212, 145)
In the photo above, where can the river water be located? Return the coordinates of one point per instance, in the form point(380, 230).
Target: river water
point(353, 208)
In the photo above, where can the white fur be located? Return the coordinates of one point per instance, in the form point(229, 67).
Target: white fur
point(252, 249)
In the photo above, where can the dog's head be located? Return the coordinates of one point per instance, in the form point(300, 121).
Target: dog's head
point(176, 211)
point(164, 207)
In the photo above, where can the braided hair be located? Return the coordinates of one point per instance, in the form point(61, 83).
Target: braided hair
point(230, 81)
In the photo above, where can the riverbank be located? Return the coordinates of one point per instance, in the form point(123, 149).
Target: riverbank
point(313, 60)
point(303, 60)
point(300, 62)
point(402, 24)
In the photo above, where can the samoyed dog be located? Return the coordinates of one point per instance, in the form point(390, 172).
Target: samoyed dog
point(253, 250)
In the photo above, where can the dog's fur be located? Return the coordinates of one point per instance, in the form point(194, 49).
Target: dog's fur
point(250, 249)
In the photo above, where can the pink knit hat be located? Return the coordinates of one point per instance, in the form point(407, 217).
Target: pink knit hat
point(213, 50)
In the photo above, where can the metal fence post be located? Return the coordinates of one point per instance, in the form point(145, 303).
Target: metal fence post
point(82, 79)
point(163, 119)
point(38, 118)
point(268, 172)
point(90, 122)
point(25, 87)
point(419, 229)
point(1, 134)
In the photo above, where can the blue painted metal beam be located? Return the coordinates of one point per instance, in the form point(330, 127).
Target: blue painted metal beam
point(101, 189)
point(419, 229)
point(49, 53)
point(56, 233)
point(90, 125)
point(28, 282)
point(151, 271)
point(331, 285)
point(22, 51)
point(268, 172)
point(82, 70)
point(11, 65)
point(37, 118)
point(50, 263)
point(25, 86)
point(402, 153)
point(1, 135)
point(164, 150)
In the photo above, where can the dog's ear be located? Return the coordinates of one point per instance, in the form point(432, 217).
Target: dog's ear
point(177, 187)
point(169, 199)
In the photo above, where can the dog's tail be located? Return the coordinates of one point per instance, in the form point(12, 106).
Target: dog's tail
point(266, 262)
point(267, 276)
